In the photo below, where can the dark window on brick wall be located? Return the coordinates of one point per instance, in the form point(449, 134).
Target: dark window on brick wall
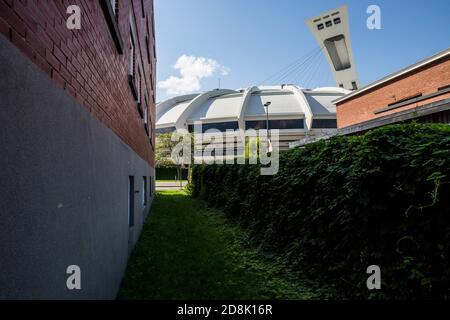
point(133, 67)
point(147, 42)
point(143, 8)
point(150, 124)
point(153, 25)
point(139, 85)
point(111, 12)
point(115, 8)
point(140, 102)
point(147, 129)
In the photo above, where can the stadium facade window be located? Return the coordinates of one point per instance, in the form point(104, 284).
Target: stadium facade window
point(166, 130)
point(220, 126)
point(324, 124)
point(275, 124)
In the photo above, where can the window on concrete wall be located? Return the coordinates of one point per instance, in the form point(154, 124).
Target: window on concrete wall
point(168, 130)
point(150, 181)
point(220, 126)
point(144, 191)
point(338, 51)
point(324, 124)
point(275, 124)
point(131, 201)
point(255, 124)
point(287, 124)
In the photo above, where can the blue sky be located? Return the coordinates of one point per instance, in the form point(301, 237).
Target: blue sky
point(246, 41)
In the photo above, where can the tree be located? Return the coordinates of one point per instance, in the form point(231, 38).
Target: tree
point(174, 150)
point(164, 147)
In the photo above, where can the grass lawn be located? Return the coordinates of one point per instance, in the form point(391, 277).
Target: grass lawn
point(189, 251)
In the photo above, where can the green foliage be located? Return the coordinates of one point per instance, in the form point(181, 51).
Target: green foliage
point(339, 205)
point(163, 150)
point(189, 251)
point(252, 148)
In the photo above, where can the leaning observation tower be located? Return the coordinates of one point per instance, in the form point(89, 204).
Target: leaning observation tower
point(296, 111)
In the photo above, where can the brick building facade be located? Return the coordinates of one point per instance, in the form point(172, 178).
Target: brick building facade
point(420, 91)
point(77, 114)
point(88, 63)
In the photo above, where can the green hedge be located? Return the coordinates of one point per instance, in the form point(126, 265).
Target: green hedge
point(337, 206)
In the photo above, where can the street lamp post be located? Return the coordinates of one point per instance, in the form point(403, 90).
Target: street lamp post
point(266, 107)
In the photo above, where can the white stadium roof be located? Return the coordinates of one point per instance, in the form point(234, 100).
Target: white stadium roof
point(288, 102)
point(295, 111)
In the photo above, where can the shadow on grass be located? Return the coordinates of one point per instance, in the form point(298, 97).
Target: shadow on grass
point(190, 251)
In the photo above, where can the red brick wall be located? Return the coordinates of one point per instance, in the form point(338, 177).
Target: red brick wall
point(427, 80)
point(86, 62)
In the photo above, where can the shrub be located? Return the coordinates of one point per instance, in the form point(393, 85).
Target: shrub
point(339, 205)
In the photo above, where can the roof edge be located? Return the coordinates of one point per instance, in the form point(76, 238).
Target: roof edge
point(397, 74)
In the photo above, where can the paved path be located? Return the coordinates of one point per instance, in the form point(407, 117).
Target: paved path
point(166, 185)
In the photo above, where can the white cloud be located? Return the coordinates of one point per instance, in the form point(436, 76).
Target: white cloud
point(192, 70)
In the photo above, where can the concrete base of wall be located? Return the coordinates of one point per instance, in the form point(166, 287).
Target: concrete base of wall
point(63, 190)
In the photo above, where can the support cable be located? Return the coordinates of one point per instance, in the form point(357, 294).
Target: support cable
point(292, 66)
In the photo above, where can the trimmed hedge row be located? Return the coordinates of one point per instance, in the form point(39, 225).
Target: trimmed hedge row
point(337, 206)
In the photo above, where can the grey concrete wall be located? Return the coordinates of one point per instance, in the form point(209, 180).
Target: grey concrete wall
point(63, 190)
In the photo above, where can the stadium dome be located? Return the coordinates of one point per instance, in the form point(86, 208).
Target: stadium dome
point(295, 111)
